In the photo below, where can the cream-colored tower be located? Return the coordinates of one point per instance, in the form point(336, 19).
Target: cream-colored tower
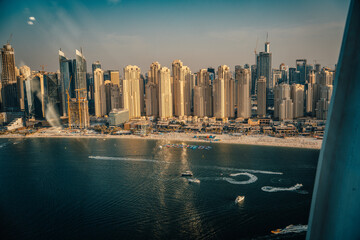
point(181, 79)
point(202, 95)
point(165, 94)
point(297, 96)
point(224, 91)
point(243, 94)
point(151, 90)
point(99, 93)
point(131, 91)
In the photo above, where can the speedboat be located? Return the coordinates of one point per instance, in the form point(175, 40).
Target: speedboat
point(193, 180)
point(239, 199)
point(277, 231)
point(187, 174)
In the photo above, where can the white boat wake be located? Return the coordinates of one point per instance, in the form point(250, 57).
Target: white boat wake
point(242, 170)
point(252, 178)
point(125, 159)
point(280, 189)
point(291, 229)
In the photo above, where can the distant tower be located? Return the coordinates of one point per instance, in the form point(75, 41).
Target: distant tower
point(181, 86)
point(224, 90)
point(297, 96)
point(152, 91)
point(9, 100)
point(66, 73)
point(131, 91)
point(165, 93)
point(243, 93)
point(203, 95)
point(283, 105)
point(261, 97)
point(80, 73)
point(99, 93)
point(264, 69)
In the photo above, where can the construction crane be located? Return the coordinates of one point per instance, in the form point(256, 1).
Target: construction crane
point(68, 102)
point(79, 99)
point(257, 40)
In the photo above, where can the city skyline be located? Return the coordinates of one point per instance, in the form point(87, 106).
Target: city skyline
point(199, 34)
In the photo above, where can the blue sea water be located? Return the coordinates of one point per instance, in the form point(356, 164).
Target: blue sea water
point(133, 189)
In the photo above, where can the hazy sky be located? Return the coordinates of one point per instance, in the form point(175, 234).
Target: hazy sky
point(198, 32)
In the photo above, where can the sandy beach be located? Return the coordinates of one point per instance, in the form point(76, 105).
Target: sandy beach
point(261, 140)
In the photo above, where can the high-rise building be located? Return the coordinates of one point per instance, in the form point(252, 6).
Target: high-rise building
point(80, 74)
point(67, 81)
point(203, 94)
point(67, 87)
point(297, 96)
point(253, 79)
point(114, 77)
point(301, 67)
point(132, 91)
point(51, 96)
point(151, 90)
point(264, 68)
point(322, 105)
point(283, 105)
point(9, 94)
point(277, 76)
point(261, 96)
point(224, 91)
point(284, 73)
point(165, 94)
point(243, 93)
point(181, 80)
point(99, 93)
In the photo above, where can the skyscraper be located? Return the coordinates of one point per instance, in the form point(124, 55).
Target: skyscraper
point(66, 73)
point(131, 91)
point(283, 105)
point(297, 96)
point(181, 79)
point(264, 67)
point(301, 67)
point(9, 97)
point(151, 90)
point(203, 94)
point(165, 94)
point(80, 74)
point(261, 97)
point(243, 93)
point(99, 93)
point(224, 89)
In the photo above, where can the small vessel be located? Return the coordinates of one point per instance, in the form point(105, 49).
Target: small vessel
point(239, 199)
point(276, 231)
point(193, 180)
point(187, 174)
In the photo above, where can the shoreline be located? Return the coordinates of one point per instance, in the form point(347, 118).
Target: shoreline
point(255, 140)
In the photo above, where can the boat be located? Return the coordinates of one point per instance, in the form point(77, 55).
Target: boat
point(193, 180)
point(187, 174)
point(276, 231)
point(239, 199)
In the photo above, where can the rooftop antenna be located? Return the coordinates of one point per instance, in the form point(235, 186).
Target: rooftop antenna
point(267, 37)
point(8, 42)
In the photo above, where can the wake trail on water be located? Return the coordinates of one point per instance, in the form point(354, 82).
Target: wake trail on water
point(279, 189)
point(3, 144)
point(242, 170)
point(252, 178)
point(125, 159)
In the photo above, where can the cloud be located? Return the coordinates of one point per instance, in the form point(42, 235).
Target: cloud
point(30, 23)
point(32, 18)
